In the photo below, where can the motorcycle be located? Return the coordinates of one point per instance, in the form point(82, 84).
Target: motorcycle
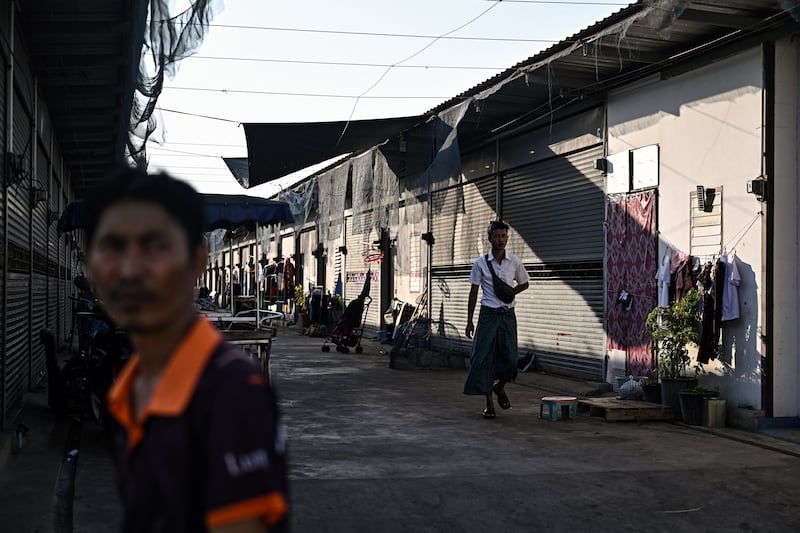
point(101, 353)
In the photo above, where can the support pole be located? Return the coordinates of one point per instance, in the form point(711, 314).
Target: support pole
point(230, 283)
point(258, 292)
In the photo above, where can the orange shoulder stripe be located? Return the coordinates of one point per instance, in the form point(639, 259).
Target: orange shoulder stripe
point(270, 507)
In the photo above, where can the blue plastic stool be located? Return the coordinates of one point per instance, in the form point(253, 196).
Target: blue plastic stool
point(568, 405)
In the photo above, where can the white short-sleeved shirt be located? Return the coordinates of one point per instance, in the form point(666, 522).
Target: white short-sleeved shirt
point(511, 270)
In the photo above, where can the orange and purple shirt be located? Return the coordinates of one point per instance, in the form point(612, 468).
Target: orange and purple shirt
point(209, 448)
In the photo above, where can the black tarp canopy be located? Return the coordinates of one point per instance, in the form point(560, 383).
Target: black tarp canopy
point(277, 149)
point(240, 169)
point(223, 211)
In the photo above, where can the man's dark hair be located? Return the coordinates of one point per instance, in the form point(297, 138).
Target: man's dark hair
point(496, 224)
point(176, 197)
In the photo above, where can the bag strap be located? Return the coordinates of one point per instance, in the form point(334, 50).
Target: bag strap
point(491, 268)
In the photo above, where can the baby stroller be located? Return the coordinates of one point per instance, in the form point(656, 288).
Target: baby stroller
point(350, 328)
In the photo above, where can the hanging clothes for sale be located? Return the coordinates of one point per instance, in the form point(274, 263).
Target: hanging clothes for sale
point(730, 292)
point(280, 280)
point(288, 280)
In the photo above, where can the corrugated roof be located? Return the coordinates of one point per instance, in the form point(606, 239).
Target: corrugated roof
point(641, 39)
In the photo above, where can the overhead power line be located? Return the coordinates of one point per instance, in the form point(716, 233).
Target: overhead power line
point(315, 95)
point(342, 63)
point(382, 34)
point(198, 115)
point(199, 143)
point(409, 58)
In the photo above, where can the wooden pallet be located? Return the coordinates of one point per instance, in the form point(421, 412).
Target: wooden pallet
point(616, 410)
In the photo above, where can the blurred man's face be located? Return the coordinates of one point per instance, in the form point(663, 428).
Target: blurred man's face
point(499, 239)
point(142, 267)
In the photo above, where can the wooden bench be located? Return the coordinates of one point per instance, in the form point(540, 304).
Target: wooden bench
point(568, 405)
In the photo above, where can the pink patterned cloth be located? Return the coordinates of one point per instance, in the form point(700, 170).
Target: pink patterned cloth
point(631, 264)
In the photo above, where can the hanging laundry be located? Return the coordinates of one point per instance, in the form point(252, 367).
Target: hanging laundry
point(707, 347)
point(681, 274)
point(719, 290)
point(730, 293)
point(663, 281)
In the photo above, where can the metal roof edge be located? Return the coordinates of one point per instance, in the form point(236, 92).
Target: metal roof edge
point(567, 46)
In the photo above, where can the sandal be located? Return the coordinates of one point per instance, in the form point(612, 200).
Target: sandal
point(502, 398)
point(489, 413)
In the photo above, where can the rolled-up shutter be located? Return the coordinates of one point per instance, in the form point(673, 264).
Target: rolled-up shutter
point(555, 209)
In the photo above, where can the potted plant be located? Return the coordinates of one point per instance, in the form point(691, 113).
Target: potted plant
point(673, 329)
point(692, 402)
point(301, 307)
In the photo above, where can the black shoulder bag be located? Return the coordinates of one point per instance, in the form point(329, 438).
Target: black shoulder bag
point(502, 290)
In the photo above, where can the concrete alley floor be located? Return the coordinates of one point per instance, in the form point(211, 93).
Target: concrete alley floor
point(380, 450)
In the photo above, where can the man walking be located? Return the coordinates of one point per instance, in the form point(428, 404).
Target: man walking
point(493, 361)
point(196, 435)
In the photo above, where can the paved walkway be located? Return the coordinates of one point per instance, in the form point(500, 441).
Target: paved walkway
point(380, 450)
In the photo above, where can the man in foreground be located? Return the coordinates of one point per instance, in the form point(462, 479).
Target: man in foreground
point(196, 434)
point(494, 357)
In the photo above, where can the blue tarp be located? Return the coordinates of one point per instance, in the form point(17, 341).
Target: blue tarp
point(223, 211)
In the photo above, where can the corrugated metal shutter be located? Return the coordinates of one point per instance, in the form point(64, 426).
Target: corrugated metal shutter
point(18, 306)
point(38, 323)
point(460, 219)
point(555, 209)
point(356, 274)
point(17, 341)
point(4, 309)
point(65, 305)
point(53, 284)
point(40, 259)
point(19, 196)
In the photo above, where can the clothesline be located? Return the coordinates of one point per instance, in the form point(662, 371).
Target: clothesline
point(743, 233)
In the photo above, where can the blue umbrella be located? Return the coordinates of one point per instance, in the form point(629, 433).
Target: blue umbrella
point(223, 211)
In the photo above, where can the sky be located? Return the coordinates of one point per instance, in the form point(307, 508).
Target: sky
point(256, 65)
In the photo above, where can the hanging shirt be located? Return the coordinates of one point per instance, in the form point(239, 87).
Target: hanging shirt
point(662, 277)
point(730, 295)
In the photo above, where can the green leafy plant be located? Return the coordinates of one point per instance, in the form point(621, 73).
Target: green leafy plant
point(704, 391)
point(673, 329)
point(300, 300)
point(335, 302)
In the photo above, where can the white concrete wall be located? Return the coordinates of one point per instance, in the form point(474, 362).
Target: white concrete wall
point(708, 125)
point(787, 196)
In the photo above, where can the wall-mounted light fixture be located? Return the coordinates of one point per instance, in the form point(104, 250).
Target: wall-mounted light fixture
point(319, 251)
point(428, 237)
point(343, 250)
point(38, 195)
point(601, 165)
point(758, 187)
